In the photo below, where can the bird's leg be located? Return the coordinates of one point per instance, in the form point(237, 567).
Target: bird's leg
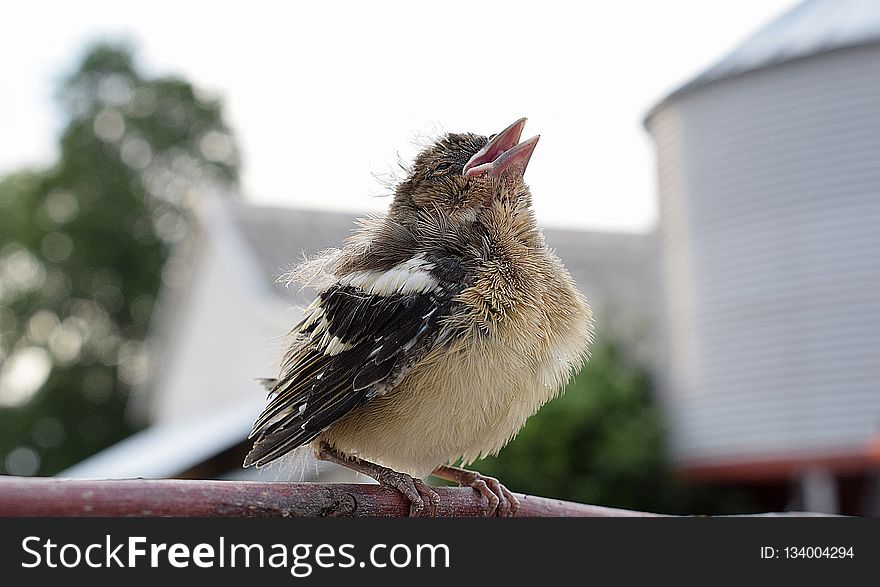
point(413, 488)
point(501, 501)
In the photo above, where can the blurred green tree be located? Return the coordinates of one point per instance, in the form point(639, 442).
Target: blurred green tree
point(603, 442)
point(82, 248)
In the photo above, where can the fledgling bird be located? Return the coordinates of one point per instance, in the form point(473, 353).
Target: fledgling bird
point(438, 330)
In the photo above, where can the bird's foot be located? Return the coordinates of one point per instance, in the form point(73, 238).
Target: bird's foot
point(424, 501)
point(502, 502)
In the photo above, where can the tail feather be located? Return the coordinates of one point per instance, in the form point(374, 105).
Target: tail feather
point(270, 446)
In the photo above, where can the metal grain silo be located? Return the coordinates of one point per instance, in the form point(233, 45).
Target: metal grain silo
point(769, 180)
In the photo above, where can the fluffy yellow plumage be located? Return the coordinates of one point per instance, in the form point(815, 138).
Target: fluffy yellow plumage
point(439, 328)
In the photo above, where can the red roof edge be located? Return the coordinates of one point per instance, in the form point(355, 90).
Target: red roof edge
point(784, 466)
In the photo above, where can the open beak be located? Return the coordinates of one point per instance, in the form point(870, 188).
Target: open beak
point(503, 154)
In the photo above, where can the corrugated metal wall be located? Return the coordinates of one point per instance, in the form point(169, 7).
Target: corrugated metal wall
point(770, 232)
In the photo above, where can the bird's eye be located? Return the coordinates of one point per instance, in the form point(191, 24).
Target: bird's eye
point(441, 167)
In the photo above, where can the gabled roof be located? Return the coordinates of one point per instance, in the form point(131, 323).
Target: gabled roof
point(812, 27)
point(258, 244)
point(166, 450)
point(190, 449)
point(612, 269)
point(278, 237)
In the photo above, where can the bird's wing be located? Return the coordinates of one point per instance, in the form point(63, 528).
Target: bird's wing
point(359, 337)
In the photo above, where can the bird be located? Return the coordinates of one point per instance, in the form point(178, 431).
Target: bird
point(438, 329)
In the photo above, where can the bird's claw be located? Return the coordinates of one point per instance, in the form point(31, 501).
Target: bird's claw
point(432, 497)
point(419, 494)
point(424, 501)
point(501, 501)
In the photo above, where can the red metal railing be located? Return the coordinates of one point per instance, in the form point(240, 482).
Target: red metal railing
point(29, 496)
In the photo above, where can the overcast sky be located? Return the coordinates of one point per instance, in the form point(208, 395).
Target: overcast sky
point(323, 96)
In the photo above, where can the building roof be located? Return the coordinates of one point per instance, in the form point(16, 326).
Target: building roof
point(166, 450)
point(614, 270)
point(193, 448)
point(812, 27)
point(258, 244)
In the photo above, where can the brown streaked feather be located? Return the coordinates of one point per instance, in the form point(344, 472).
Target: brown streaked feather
point(385, 338)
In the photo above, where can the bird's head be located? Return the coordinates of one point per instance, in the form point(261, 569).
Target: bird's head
point(463, 176)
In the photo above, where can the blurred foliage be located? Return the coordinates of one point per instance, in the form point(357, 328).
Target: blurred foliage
point(82, 249)
point(603, 443)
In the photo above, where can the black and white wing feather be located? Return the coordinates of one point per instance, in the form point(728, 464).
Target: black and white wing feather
point(359, 338)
